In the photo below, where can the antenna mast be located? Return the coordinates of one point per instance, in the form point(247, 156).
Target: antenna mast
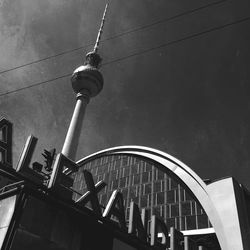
point(100, 30)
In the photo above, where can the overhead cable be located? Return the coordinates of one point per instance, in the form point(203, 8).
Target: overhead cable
point(137, 29)
point(139, 52)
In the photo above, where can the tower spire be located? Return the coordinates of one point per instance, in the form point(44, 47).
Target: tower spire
point(87, 82)
point(96, 47)
point(93, 57)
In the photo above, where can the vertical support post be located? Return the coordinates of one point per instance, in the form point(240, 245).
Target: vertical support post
point(158, 226)
point(189, 244)
point(176, 239)
point(186, 243)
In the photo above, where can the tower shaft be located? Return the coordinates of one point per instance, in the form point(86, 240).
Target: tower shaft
point(72, 138)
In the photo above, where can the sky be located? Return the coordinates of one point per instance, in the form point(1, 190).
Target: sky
point(189, 99)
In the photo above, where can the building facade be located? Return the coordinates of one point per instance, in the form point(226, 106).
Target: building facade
point(143, 181)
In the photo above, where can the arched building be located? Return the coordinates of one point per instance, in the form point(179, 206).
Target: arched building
point(168, 188)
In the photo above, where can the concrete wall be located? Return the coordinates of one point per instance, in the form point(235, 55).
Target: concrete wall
point(228, 200)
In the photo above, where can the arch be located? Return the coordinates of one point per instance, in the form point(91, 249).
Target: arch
point(182, 172)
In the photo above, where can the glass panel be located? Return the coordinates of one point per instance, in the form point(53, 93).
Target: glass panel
point(122, 182)
point(202, 221)
point(182, 223)
point(182, 196)
point(174, 184)
point(191, 222)
point(171, 196)
point(174, 210)
point(145, 177)
point(167, 211)
point(160, 198)
point(161, 175)
point(186, 208)
point(157, 187)
point(188, 197)
point(136, 179)
point(144, 200)
point(147, 188)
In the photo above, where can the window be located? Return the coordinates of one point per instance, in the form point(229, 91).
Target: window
point(122, 182)
point(199, 209)
point(182, 195)
point(167, 211)
point(134, 169)
point(202, 221)
point(191, 222)
point(193, 206)
point(160, 198)
point(160, 175)
point(174, 210)
point(174, 184)
point(171, 196)
point(182, 223)
point(114, 184)
point(147, 188)
point(145, 177)
point(125, 161)
point(157, 187)
point(148, 167)
point(136, 179)
point(125, 172)
point(144, 201)
point(186, 208)
point(188, 196)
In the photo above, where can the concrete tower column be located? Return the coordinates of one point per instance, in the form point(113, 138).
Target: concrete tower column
point(72, 138)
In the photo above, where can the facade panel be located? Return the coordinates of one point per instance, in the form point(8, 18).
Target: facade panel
point(143, 182)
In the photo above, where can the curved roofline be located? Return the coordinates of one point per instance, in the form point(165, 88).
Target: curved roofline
point(144, 149)
point(196, 185)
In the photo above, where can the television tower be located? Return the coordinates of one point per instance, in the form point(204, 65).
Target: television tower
point(87, 82)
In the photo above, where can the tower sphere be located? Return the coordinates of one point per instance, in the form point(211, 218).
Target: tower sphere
point(88, 77)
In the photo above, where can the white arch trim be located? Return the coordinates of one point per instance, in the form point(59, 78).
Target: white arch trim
point(181, 171)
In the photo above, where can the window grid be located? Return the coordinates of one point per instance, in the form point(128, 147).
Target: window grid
point(145, 184)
